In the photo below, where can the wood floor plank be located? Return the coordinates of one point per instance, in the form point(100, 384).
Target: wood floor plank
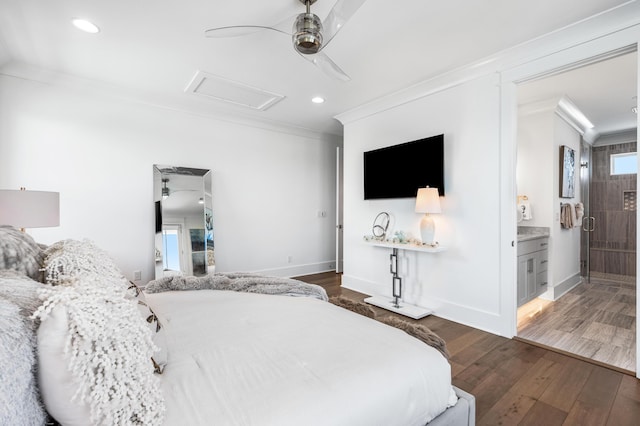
point(625, 412)
point(594, 402)
point(478, 349)
point(543, 414)
point(630, 388)
point(469, 338)
point(563, 392)
point(488, 392)
point(523, 395)
point(626, 407)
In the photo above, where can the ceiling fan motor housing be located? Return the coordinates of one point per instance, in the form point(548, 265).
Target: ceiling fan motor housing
point(307, 33)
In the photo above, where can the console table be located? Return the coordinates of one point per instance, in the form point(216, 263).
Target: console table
point(394, 304)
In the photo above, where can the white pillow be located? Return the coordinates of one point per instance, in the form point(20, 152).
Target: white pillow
point(57, 385)
point(160, 356)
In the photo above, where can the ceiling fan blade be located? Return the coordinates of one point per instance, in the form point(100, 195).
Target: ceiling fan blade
point(283, 27)
point(239, 30)
point(341, 12)
point(322, 61)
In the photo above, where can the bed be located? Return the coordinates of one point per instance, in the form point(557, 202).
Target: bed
point(199, 355)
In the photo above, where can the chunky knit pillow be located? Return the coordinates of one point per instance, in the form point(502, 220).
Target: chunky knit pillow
point(68, 259)
point(19, 252)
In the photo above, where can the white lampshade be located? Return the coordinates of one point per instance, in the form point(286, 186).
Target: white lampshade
point(428, 200)
point(29, 209)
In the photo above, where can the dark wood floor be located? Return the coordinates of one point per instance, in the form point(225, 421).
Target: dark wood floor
point(516, 383)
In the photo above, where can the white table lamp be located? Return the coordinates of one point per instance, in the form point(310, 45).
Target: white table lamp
point(29, 209)
point(427, 202)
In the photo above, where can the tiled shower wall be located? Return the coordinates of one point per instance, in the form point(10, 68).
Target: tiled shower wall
point(613, 241)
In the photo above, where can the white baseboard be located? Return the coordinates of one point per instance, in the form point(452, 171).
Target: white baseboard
point(299, 270)
point(486, 321)
point(557, 291)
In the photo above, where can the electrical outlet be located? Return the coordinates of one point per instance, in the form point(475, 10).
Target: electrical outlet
point(137, 275)
point(289, 259)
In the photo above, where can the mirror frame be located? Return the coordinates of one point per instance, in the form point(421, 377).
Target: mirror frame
point(195, 245)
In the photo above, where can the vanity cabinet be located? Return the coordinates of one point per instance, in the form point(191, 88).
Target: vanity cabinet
point(533, 261)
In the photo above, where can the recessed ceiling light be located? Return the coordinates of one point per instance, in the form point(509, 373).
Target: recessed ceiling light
point(317, 100)
point(86, 26)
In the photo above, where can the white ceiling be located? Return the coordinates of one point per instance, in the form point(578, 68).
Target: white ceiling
point(604, 91)
point(151, 49)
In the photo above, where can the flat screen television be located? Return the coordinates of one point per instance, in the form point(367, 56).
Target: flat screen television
point(398, 171)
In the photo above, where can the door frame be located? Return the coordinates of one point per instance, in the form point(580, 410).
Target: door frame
point(339, 210)
point(598, 48)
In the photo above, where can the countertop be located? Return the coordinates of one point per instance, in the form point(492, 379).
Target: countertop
point(526, 233)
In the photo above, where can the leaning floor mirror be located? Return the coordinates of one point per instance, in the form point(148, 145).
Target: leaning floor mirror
point(184, 242)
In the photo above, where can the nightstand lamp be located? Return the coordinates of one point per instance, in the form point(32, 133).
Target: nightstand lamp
point(427, 202)
point(29, 209)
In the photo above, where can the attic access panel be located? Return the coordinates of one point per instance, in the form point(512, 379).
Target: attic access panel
point(224, 90)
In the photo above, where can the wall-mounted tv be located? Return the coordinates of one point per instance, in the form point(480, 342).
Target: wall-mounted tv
point(398, 171)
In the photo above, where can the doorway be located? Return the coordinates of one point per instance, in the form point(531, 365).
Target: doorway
point(590, 307)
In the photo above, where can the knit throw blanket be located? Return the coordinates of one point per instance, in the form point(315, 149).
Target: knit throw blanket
point(418, 331)
point(109, 349)
point(243, 282)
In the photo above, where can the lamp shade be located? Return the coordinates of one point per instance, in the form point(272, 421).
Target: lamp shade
point(29, 209)
point(428, 200)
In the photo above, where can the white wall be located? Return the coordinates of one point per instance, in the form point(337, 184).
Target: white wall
point(540, 135)
point(462, 282)
point(564, 243)
point(98, 152)
point(536, 165)
point(476, 108)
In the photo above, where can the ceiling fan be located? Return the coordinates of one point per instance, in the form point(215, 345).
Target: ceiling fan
point(309, 34)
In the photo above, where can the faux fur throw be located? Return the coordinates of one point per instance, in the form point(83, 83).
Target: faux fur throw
point(249, 283)
point(352, 305)
point(418, 331)
point(19, 397)
point(19, 252)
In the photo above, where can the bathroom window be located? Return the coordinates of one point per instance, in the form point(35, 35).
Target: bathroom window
point(624, 164)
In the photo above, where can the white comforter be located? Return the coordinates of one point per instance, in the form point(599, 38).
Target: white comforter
point(254, 359)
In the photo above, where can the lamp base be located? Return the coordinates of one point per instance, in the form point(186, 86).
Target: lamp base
point(427, 229)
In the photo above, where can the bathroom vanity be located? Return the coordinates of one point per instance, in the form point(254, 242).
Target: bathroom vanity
point(533, 261)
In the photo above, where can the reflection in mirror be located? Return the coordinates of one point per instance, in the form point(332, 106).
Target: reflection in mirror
point(184, 221)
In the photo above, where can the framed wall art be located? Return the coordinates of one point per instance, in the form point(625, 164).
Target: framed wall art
point(567, 171)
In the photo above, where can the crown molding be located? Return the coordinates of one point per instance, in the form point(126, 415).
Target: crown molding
point(183, 105)
point(610, 22)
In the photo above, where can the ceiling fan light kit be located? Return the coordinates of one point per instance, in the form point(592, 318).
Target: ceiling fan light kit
point(307, 36)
